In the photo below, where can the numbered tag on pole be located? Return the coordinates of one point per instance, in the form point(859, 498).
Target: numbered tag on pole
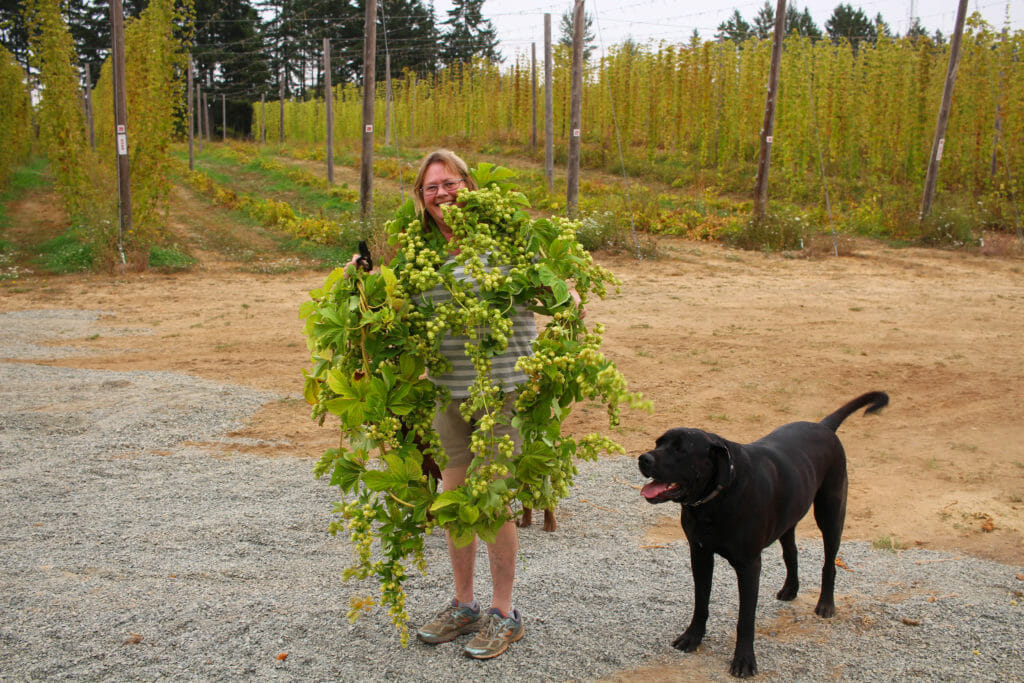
point(575, 132)
point(122, 141)
point(369, 128)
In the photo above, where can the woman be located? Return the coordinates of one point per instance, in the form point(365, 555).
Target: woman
point(441, 176)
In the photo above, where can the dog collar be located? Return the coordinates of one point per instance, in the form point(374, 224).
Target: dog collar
point(723, 481)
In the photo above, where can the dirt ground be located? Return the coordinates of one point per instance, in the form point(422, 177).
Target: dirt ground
point(732, 342)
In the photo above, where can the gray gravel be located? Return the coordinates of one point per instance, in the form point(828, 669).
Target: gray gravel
point(127, 551)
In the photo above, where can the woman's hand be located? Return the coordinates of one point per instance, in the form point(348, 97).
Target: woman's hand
point(577, 300)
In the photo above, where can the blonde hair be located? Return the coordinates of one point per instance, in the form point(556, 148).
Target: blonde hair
point(452, 162)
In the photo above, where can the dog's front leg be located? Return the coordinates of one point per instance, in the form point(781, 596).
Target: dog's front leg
point(749, 577)
point(549, 520)
point(702, 563)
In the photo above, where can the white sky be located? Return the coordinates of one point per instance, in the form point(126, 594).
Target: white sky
point(521, 22)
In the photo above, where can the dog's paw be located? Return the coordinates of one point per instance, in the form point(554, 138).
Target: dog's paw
point(743, 666)
point(788, 591)
point(689, 641)
point(825, 610)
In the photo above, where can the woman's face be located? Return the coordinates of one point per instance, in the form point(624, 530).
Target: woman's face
point(436, 195)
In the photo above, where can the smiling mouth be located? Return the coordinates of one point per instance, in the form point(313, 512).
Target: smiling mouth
point(660, 491)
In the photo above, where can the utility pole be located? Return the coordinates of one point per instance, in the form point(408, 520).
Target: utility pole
point(191, 122)
point(947, 100)
point(572, 189)
point(280, 99)
point(761, 186)
point(223, 118)
point(124, 192)
point(369, 86)
point(329, 101)
point(549, 109)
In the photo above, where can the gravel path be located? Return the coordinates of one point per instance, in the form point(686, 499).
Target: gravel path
point(127, 551)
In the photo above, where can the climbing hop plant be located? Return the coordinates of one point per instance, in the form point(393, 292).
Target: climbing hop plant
point(374, 336)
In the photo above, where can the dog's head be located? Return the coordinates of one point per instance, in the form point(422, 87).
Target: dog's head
point(688, 466)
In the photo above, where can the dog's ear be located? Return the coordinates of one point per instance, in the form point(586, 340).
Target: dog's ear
point(723, 460)
point(716, 445)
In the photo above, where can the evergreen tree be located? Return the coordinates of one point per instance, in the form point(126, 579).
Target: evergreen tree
point(881, 27)
point(229, 47)
point(13, 34)
point(735, 28)
point(467, 34)
point(88, 22)
point(916, 30)
point(802, 23)
point(89, 25)
point(764, 21)
point(566, 33)
point(851, 24)
point(412, 37)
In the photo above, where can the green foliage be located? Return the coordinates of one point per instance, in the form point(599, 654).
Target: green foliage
point(271, 212)
point(66, 253)
point(467, 35)
point(949, 227)
point(735, 28)
point(15, 116)
point(850, 25)
point(229, 47)
point(690, 115)
point(60, 117)
point(372, 337)
point(169, 258)
point(155, 62)
point(599, 230)
point(773, 232)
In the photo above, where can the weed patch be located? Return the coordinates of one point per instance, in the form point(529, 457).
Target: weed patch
point(66, 253)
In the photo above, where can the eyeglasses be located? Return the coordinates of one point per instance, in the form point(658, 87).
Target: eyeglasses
point(448, 185)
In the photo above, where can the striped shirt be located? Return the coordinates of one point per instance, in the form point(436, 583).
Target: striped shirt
point(453, 346)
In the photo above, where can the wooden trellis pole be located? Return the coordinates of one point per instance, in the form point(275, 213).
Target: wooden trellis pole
point(329, 101)
point(369, 86)
point(575, 113)
point(761, 185)
point(549, 116)
point(124, 192)
point(947, 100)
point(191, 121)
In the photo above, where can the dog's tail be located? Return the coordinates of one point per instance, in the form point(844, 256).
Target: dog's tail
point(876, 400)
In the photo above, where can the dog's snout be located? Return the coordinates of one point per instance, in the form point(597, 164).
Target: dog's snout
point(646, 464)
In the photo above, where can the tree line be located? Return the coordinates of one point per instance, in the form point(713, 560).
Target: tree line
point(845, 23)
point(247, 47)
point(244, 48)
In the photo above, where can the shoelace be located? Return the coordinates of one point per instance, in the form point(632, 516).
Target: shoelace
point(493, 626)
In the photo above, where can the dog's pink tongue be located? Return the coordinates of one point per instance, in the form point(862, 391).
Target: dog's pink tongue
point(654, 489)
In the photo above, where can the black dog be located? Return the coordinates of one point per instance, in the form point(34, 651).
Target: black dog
point(739, 498)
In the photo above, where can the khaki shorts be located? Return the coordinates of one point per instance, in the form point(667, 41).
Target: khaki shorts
point(455, 431)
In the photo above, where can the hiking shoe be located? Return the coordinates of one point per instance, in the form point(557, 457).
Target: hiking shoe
point(495, 635)
point(450, 623)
